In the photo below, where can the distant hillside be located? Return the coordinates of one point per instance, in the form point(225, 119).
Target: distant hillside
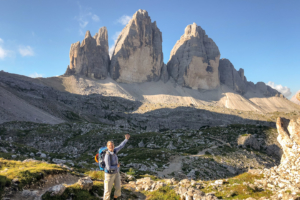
point(296, 98)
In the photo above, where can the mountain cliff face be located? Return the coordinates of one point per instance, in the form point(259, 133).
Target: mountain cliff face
point(194, 60)
point(91, 58)
point(237, 81)
point(232, 78)
point(138, 56)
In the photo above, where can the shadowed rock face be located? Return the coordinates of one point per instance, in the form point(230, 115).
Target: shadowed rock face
point(91, 58)
point(237, 81)
point(289, 139)
point(232, 78)
point(138, 56)
point(194, 60)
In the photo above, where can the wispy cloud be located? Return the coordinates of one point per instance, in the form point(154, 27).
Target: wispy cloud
point(26, 51)
point(4, 52)
point(282, 89)
point(35, 75)
point(85, 15)
point(124, 19)
point(112, 47)
point(95, 18)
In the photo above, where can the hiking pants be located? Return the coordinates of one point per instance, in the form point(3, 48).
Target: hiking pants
point(108, 183)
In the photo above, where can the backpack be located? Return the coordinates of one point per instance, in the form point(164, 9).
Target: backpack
point(99, 158)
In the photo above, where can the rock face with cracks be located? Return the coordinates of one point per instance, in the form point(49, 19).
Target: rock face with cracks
point(194, 60)
point(289, 139)
point(285, 177)
point(138, 56)
point(232, 78)
point(90, 58)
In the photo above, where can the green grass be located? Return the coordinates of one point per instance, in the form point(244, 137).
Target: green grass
point(27, 173)
point(163, 193)
point(131, 171)
point(235, 189)
point(99, 175)
point(77, 193)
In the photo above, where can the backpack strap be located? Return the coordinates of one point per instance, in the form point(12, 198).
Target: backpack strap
point(109, 171)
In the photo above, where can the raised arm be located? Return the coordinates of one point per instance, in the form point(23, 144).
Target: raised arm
point(121, 146)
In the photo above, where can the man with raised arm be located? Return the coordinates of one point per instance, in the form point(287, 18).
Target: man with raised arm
point(112, 171)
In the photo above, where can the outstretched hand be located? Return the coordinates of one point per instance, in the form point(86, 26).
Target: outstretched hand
point(127, 136)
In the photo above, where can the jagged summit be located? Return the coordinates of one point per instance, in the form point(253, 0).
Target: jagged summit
point(91, 58)
point(237, 81)
point(138, 56)
point(194, 60)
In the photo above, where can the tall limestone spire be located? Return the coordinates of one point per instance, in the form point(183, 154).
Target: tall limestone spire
point(138, 56)
point(91, 58)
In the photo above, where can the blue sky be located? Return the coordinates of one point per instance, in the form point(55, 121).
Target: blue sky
point(262, 37)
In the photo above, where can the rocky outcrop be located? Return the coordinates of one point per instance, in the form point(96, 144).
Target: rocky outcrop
point(232, 78)
point(138, 56)
point(249, 140)
point(85, 183)
point(296, 98)
point(90, 58)
point(186, 189)
point(289, 139)
point(285, 177)
point(194, 60)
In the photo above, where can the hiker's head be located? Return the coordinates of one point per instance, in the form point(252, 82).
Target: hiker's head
point(110, 145)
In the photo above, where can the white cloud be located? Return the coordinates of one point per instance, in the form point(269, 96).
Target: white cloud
point(112, 47)
point(124, 19)
point(282, 89)
point(3, 53)
point(95, 18)
point(84, 17)
point(35, 75)
point(26, 51)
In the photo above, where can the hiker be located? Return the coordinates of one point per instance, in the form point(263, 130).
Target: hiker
point(112, 171)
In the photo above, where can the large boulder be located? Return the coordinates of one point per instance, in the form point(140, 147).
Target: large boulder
point(249, 141)
point(232, 78)
point(289, 139)
point(138, 56)
point(57, 190)
point(90, 58)
point(85, 183)
point(194, 60)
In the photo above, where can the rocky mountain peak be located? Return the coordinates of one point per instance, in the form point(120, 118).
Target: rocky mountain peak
point(91, 58)
point(138, 56)
point(102, 38)
point(87, 35)
point(193, 30)
point(194, 60)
